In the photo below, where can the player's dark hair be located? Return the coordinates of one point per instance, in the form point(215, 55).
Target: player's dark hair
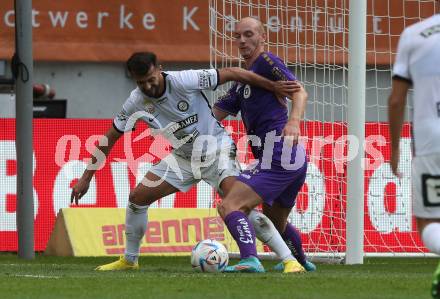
point(141, 62)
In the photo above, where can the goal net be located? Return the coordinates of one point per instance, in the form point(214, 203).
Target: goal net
point(311, 36)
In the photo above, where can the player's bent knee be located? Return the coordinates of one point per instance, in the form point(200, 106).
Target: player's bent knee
point(139, 198)
point(231, 204)
point(134, 197)
point(226, 207)
point(221, 210)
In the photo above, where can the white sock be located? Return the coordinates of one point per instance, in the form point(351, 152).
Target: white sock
point(269, 235)
point(431, 237)
point(136, 218)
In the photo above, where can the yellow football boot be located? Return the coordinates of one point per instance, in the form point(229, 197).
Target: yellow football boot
point(120, 265)
point(292, 266)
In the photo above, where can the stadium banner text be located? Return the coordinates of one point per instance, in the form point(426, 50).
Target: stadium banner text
point(62, 148)
point(84, 30)
point(100, 231)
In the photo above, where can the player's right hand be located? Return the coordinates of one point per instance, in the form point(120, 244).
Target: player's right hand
point(286, 89)
point(79, 190)
point(394, 162)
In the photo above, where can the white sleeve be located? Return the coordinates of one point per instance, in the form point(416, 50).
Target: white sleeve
point(122, 118)
point(198, 79)
point(401, 65)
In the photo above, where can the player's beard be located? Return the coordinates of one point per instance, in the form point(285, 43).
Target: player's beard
point(152, 92)
point(249, 51)
point(245, 52)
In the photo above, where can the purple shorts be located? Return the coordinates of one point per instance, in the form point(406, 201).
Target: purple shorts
point(275, 184)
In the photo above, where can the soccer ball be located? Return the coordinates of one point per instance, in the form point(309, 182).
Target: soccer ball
point(209, 256)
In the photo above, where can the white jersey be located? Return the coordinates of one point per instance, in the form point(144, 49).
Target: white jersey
point(182, 113)
point(418, 62)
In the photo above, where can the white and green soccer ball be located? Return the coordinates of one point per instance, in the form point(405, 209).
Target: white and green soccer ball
point(209, 256)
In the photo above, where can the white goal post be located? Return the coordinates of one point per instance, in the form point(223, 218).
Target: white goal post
point(342, 51)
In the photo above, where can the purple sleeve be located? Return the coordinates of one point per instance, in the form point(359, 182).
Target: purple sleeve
point(229, 102)
point(274, 68)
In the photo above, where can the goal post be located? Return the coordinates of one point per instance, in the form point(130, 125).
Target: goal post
point(351, 205)
point(356, 127)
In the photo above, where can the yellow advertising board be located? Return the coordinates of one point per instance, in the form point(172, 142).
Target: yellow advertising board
point(101, 232)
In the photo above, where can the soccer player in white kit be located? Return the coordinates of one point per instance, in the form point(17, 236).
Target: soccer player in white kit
point(418, 64)
point(173, 104)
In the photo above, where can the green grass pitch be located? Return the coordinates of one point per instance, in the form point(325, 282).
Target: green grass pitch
point(172, 277)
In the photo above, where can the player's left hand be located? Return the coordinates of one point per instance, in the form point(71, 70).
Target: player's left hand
point(292, 131)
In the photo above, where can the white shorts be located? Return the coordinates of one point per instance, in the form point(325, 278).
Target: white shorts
point(183, 172)
point(426, 186)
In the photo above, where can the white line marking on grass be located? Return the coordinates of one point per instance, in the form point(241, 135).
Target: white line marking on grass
point(35, 276)
point(35, 264)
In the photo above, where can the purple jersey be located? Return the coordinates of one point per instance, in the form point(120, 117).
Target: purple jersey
point(260, 110)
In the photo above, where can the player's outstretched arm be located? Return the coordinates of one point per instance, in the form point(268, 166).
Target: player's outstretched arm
point(396, 109)
point(98, 158)
point(280, 88)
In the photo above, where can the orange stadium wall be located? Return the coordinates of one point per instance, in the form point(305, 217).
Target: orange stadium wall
point(177, 30)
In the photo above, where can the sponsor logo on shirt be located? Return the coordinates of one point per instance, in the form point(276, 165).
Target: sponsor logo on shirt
point(182, 106)
point(149, 107)
point(122, 116)
point(254, 171)
point(183, 124)
point(246, 176)
point(205, 79)
point(277, 73)
point(161, 101)
point(430, 31)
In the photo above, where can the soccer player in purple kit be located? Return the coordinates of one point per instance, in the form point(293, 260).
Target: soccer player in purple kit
point(281, 169)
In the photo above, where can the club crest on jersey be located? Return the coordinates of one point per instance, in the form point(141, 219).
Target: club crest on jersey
point(182, 106)
point(246, 91)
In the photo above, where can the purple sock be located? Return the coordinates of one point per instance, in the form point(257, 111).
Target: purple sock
point(293, 240)
point(243, 232)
